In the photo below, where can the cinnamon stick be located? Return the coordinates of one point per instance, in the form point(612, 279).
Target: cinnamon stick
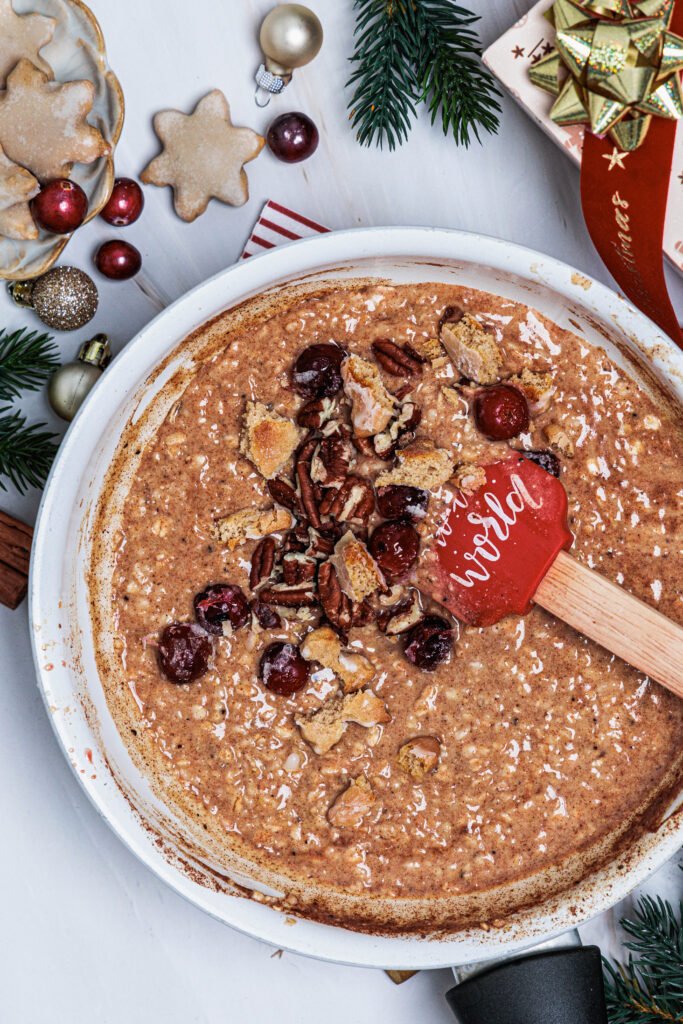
point(15, 553)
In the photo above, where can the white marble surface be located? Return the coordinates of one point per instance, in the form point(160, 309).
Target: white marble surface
point(88, 934)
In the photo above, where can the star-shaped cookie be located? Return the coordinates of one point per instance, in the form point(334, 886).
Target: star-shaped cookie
point(203, 156)
point(17, 187)
point(23, 35)
point(43, 124)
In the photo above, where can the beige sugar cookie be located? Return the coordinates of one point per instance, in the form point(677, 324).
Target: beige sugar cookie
point(203, 156)
point(17, 185)
point(23, 36)
point(43, 124)
point(16, 222)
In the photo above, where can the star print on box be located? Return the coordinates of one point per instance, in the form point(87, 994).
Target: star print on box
point(43, 124)
point(23, 35)
point(203, 156)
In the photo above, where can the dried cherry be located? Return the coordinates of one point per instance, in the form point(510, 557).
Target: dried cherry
point(184, 652)
point(429, 643)
point(395, 546)
point(398, 501)
point(547, 460)
point(219, 603)
point(501, 412)
point(317, 371)
point(283, 670)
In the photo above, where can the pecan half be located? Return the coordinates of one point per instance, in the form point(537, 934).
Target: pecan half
point(355, 499)
point(364, 446)
point(262, 562)
point(332, 461)
point(316, 413)
point(322, 543)
point(298, 568)
point(396, 360)
point(400, 432)
point(284, 494)
point(306, 484)
point(284, 596)
point(296, 539)
point(336, 605)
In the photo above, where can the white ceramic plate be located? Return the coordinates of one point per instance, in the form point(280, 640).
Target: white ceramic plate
point(62, 639)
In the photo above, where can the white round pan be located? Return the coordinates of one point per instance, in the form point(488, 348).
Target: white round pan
point(62, 638)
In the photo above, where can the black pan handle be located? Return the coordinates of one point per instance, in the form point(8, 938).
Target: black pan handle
point(561, 986)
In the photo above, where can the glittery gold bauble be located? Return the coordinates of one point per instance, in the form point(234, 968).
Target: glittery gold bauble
point(291, 36)
point(70, 384)
point(64, 298)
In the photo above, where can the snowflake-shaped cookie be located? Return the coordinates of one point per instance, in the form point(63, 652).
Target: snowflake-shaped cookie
point(23, 35)
point(203, 156)
point(17, 187)
point(43, 124)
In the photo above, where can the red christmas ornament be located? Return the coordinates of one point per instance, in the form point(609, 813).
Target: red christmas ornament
point(118, 260)
point(61, 206)
point(293, 137)
point(125, 203)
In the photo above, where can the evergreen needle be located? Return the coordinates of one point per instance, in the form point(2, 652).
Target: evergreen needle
point(26, 451)
point(26, 361)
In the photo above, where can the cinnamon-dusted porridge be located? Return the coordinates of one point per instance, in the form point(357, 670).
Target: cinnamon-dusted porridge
point(277, 657)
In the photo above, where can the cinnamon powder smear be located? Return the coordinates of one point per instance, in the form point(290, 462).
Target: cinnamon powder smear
point(547, 745)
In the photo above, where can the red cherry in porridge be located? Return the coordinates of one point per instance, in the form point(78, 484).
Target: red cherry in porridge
point(60, 206)
point(317, 371)
point(125, 203)
point(398, 501)
point(184, 652)
point(395, 547)
point(118, 260)
point(501, 412)
point(283, 670)
point(219, 603)
point(429, 643)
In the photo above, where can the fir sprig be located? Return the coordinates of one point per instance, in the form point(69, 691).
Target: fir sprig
point(649, 989)
point(26, 361)
point(26, 451)
point(412, 51)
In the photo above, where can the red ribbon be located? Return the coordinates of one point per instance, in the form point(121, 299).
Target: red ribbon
point(624, 203)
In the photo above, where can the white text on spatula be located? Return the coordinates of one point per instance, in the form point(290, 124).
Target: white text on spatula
point(498, 524)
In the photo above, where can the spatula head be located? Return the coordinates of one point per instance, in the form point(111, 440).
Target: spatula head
point(497, 544)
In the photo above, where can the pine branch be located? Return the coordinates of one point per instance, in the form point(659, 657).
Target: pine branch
point(455, 83)
point(26, 451)
point(386, 85)
point(411, 51)
point(26, 361)
point(649, 990)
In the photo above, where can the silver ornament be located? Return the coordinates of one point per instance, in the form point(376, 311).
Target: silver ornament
point(70, 384)
point(291, 36)
point(64, 298)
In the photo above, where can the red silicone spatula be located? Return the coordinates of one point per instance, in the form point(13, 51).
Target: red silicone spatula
point(505, 548)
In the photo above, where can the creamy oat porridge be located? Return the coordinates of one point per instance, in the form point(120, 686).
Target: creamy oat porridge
point(276, 656)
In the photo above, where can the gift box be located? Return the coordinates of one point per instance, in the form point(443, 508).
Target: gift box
point(510, 58)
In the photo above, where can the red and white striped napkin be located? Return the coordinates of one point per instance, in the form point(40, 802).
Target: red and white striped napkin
point(278, 224)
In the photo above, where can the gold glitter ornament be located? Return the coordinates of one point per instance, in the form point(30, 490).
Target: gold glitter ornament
point(615, 65)
point(70, 384)
point(64, 298)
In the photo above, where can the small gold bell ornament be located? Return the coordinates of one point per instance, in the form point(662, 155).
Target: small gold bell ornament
point(70, 384)
point(291, 35)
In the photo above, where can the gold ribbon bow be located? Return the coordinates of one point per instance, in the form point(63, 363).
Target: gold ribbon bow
point(614, 66)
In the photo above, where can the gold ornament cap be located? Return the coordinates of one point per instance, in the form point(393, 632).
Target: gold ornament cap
point(96, 352)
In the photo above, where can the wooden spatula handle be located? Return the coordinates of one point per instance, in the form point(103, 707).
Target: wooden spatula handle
point(615, 619)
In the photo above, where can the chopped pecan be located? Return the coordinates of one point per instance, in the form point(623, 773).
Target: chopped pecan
point(365, 446)
point(266, 616)
point(332, 461)
point(401, 617)
point(316, 413)
point(355, 499)
point(321, 544)
point(284, 494)
point(262, 562)
point(298, 568)
point(363, 613)
point(283, 596)
point(296, 539)
point(396, 360)
point(400, 432)
point(353, 805)
point(335, 603)
point(306, 485)
point(419, 757)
